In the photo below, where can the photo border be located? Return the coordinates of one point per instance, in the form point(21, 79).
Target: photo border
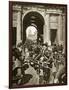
point(10, 42)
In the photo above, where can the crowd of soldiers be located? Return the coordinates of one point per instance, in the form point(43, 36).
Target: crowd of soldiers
point(38, 64)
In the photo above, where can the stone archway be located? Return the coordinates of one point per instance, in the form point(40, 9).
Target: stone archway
point(35, 19)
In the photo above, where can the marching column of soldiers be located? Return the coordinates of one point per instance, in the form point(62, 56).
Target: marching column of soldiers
point(38, 64)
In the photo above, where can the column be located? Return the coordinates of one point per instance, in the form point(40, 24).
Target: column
point(18, 27)
point(64, 37)
point(59, 32)
point(47, 29)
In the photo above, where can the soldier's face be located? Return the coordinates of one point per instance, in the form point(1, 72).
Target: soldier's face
point(19, 71)
point(26, 50)
point(44, 47)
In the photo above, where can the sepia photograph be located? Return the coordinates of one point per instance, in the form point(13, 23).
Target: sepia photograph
point(37, 44)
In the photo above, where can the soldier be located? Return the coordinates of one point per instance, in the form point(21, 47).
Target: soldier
point(35, 78)
point(46, 72)
point(17, 75)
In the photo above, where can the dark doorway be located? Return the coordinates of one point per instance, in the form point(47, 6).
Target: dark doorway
point(14, 36)
point(35, 19)
point(53, 34)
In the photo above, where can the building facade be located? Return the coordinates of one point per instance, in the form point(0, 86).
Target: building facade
point(50, 22)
